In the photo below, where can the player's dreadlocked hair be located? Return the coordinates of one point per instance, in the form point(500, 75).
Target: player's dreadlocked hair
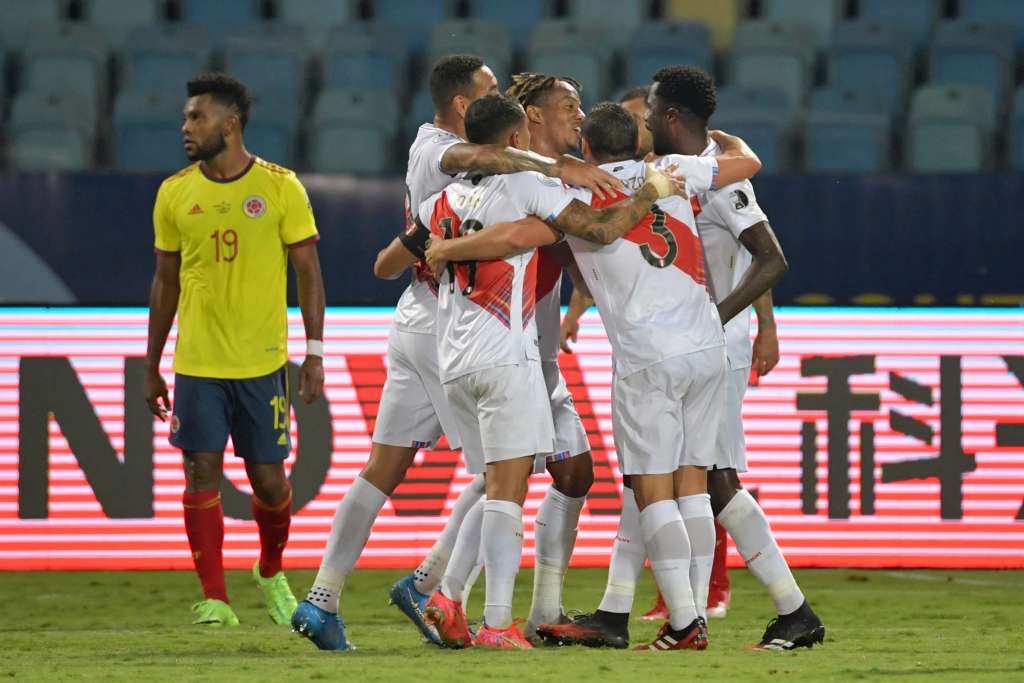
point(223, 89)
point(529, 88)
point(689, 88)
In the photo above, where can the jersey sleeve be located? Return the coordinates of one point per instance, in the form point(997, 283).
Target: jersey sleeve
point(433, 151)
point(700, 172)
point(165, 230)
point(297, 222)
point(736, 207)
point(538, 195)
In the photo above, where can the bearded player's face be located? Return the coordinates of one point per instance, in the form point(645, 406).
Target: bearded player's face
point(203, 128)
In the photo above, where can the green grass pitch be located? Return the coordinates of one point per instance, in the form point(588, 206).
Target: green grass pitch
point(134, 626)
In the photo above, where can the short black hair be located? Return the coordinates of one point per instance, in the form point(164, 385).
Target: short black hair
point(452, 75)
point(638, 93)
point(610, 132)
point(491, 117)
point(688, 87)
point(225, 90)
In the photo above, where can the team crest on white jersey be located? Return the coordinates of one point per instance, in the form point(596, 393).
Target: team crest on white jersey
point(254, 206)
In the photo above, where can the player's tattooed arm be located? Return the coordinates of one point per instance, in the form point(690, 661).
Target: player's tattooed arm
point(495, 241)
point(496, 159)
point(766, 344)
point(737, 161)
point(310, 285)
point(163, 305)
point(765, 271)
point(606, 225)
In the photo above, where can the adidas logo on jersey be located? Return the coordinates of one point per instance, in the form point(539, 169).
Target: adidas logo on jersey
point(196, 209)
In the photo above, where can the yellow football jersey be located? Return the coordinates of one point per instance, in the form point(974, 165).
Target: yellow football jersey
point(233, 236)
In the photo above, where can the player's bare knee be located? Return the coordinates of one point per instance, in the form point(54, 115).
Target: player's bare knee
point(573, 477)
point(269, 483)
point(723, 484)
point(203, 471)
point(387, 466)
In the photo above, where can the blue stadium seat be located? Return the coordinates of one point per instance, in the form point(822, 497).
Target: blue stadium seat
point(518, 17)
point(660, 43)
point(269, 65)
point(316, 17)
point(49, 147)
point(1017, 130)
point(818, 17)
point(623, 17)
point(836, 99)
point(412, 19)
point(421, 110)
point(950, 129)
point(164, 57)
point(733, 99)
point(353, 131)
point(271, 131)
point(61, 110)
point(487, 39)
point(846, 142)
point(364, 55)
point(147, 131)
point(769, 134)
point(875, 56)
point(973, 52)
point(71, 57)
point(771, 54)
point(116, 19)
point(915, 16)
point(573, 48)
point(22, 17)
point(221, 17)
point(1009, 13)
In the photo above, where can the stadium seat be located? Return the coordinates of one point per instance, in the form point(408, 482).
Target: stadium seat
point(1016, 131)
point(475, 36)
point(818, 18)
point(269, 65)
point(147, 131)
point(353, 131)
point(659, 43)
point(61, 110)
point(164, 57)
point(316, 17)
point(950, 129)
point(721, 16)
point(21, 18)
point(846, 142)
point(71, 57)
point(49, 147)
point(363, 55)
point(839, 99)
point(412, 19)
point(221, 17)
point(733, 99)
point(420, 111)
point(270, 133)
point(771, 54)
point(116, 19)
point(915, 16)
point(872, 55)
point(567, 47)
point(1008, 13)
point(762, 117)
point(973, 52)
point(518, 17)
point(623, 17)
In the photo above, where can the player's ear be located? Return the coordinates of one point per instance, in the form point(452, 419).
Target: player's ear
point(460, 104)
point(534, 115)
point(585, 146)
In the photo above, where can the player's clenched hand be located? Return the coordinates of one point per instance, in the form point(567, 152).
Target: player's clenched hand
point(434, 257)
point(766, 350)
point(570, 330)
point(311, 378)
point(157, 398)
point(581, 174)
point(665, 180)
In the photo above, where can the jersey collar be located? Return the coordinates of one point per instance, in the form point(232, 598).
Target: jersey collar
point(252, 160)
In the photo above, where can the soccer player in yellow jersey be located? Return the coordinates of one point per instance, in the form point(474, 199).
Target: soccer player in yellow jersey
point(226, 227)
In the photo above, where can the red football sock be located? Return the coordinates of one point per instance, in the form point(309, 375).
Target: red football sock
point(719, 572)
point(204, 524)
point(273, 521)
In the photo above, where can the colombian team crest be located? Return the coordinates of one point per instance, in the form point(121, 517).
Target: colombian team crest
point(254, 206)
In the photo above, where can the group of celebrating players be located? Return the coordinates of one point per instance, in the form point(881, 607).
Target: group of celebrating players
point(658, 225)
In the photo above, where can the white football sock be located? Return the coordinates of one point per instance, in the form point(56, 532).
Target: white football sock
point(554, 539)
point(427, 576)
point(628, 556)
point(473, 576)
point(669, 550)
point(351, 528)
point(465, 554)
point(699, 521)
point(502, 535)
point(745, 521)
